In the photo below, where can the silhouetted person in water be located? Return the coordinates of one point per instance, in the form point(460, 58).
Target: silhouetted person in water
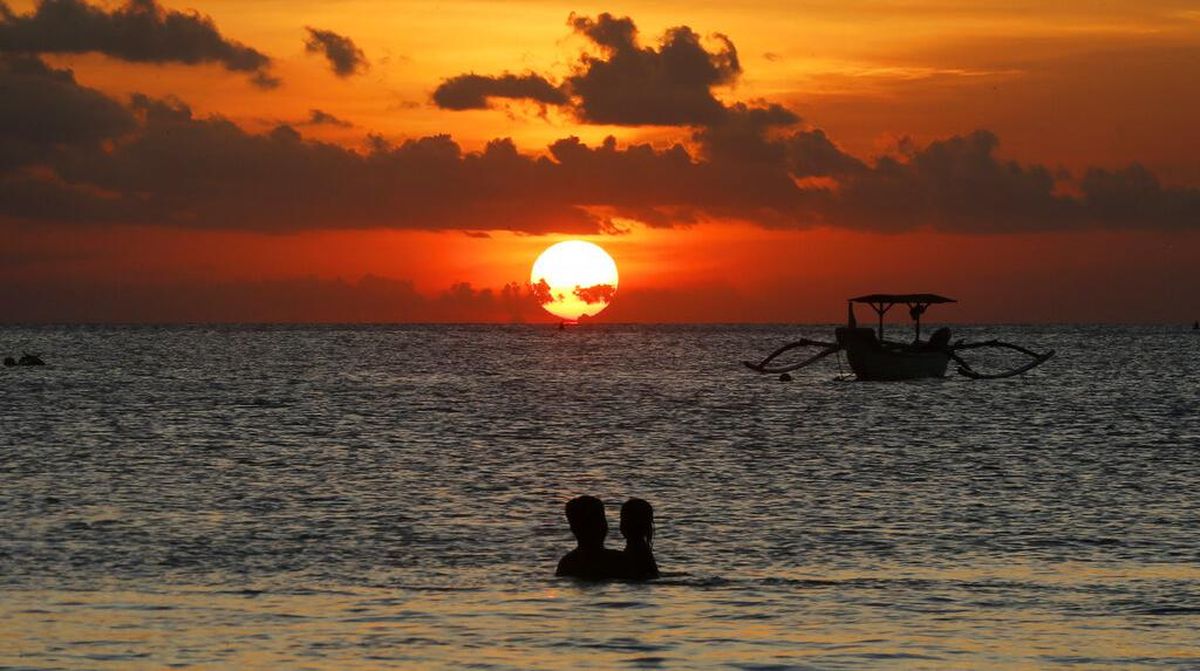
point(590, 560)
point(637, 526)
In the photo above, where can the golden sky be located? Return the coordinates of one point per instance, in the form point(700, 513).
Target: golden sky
point(210, 161)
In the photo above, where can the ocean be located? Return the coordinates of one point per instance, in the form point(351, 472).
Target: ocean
point(327, 497)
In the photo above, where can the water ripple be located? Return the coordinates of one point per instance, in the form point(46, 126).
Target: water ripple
point(391, 496)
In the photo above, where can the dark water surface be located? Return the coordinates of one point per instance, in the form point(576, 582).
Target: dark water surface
point(391, 496)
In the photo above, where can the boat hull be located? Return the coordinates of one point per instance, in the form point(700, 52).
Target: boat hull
point(871, 360)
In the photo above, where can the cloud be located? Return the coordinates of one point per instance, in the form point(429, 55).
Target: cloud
point(139, 31)
point(72, 154)
point(318, 117)
point(345, 58)
point(293, 300)
point(810, 153)
point(541, 292)
point(626, 84)
point(42, 108)
point(953, 184)
point(741, 134)
point(598, 293)
point(206, 172)
point(473, 91)
point(1133, 194)
point(634, 85)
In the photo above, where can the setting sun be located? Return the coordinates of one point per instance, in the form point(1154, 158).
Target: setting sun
point(574, 279)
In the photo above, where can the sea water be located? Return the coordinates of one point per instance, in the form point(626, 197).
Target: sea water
point(365, 497)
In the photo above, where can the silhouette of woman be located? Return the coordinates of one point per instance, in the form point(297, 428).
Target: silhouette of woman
point(637, 526)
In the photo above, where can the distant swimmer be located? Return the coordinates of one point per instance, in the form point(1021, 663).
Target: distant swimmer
point(1196, 326)
point(30, 360)
point(637, 526)
point(590, 560)
point(9, 361)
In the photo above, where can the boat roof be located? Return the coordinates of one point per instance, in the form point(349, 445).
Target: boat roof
point(902, 298)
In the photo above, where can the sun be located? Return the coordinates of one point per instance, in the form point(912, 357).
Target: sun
point(574, 279)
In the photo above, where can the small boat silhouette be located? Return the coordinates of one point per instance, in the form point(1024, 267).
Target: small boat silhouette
point(871, 357)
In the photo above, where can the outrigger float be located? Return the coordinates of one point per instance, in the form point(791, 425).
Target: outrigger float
point(872, 357)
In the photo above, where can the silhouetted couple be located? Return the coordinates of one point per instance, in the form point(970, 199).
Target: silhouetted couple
point(591, 560)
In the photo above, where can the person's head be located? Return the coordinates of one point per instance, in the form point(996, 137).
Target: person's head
point(585, 514)
point(637, 520)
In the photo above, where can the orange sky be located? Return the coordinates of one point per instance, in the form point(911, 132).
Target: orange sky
point(1063, 89)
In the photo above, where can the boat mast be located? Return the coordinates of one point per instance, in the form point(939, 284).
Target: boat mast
point(915, 310)
point(881, 309)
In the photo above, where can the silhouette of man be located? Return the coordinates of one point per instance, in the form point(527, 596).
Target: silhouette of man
point(590, 560)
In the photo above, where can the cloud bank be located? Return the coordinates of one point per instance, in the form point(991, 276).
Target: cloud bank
point(140, 31)
point(69, 153)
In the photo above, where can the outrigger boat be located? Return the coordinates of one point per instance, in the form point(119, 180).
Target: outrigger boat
point(871, 357)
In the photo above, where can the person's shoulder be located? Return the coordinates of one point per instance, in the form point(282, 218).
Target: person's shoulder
point(603, 565)
point(638, 566)
point(569, 564)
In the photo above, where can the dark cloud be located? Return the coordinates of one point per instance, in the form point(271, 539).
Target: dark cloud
point(179, 169)
point(626, 84)
point(345, 58)
point(741, 134)
point(955, 184)
point(294, 300)
point(755, 164)
point(70, 154)
point(811, 154)
point(633, 85)
point(318, 117)
point(541, 292)
point(1133, 194)
point(139, 31)
point(598, 293)
point(42, 108)
point(473, 91)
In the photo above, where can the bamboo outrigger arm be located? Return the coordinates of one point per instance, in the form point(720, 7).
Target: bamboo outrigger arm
point(762, 366)
point(964, 368)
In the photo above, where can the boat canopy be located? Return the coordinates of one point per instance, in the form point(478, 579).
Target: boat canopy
point(927, 299)
point(881, 303)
